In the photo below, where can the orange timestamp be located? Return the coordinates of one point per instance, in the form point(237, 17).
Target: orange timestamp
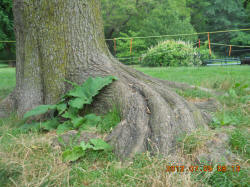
point(204, 168)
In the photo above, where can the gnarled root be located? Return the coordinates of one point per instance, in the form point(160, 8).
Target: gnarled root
point(153, 116)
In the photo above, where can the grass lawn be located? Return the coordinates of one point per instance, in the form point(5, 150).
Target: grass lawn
point(7, 81)
point(3, 65)
point(201, 76)
point(28, 159)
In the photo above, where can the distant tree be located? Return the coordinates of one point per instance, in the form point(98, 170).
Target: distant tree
point(214, 15)
point(168, 17)
point(146, 18)
point(7, 50)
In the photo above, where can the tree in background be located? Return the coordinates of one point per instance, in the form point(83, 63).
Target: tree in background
point(7, 50)
point(146, 18)
point(157, 17)
point(169, 17)
point(213, 15)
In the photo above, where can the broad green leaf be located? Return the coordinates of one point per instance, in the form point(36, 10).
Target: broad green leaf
point(61, 108)
point(71, 113)
point(78, 102)
point(89, 89)
point(90, 120)
point(50, 125)
point(66, 126)
point(42, 109)
point(78, 92)
point(77, 122)
point(99, 144)
point(73, 155)
point(85, 146)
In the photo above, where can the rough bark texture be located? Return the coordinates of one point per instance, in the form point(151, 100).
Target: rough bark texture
point(63, 39)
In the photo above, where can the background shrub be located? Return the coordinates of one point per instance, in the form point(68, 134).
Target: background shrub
point(172, 53)
point(204, 54)
point(123, 48)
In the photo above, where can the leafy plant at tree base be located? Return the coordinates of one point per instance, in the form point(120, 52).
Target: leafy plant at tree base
point(68, 112)
point(68, 108)
point(42, 109)
point(79, 151)
point(171, 53)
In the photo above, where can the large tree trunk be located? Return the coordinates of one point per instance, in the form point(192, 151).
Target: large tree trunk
point(58, 40)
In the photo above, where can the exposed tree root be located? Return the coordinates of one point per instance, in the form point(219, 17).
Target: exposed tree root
point(153, 115)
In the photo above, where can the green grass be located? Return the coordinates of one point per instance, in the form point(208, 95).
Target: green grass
point(7, 81)
point(234, 81)
point(240, 143)
point(232, 62)
point(109, 121)
point(194, 93)
point(209, 77)
point(228, 178)
point(3, 65)
point(28, 159)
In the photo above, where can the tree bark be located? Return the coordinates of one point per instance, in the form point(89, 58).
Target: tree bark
point(64, 39)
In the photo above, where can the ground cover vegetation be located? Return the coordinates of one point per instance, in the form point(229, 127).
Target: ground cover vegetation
point(28, 158)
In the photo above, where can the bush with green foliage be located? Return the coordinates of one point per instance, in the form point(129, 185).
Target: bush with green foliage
point(171, 53)
point(204, 53)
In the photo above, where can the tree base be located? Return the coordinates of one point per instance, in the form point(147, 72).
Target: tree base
point(53, 47)
point(153, 115)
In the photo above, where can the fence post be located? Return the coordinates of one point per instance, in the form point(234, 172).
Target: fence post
point(115, 46)
point(209, 44)
point(230, 50)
